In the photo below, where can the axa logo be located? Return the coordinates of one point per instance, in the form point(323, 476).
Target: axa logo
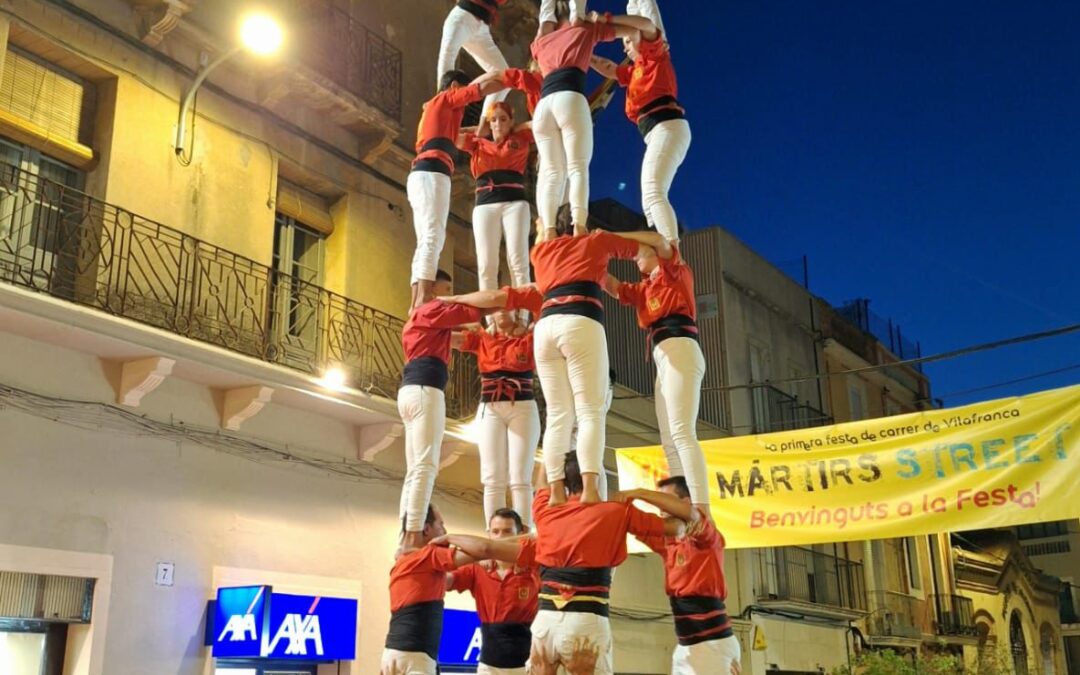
point(298, 630)
point(240, 628)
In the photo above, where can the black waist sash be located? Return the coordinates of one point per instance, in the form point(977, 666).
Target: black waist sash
point(577, 297)
point(505, 645)
point(500, 185)
point(560, 588)
point(435, 164)
point(506, 385)
point(426, 371)
point(417, 628)
point(477, 10)
point(563, 79)
point(700, 619)
point(659, 110)
point(672, 326)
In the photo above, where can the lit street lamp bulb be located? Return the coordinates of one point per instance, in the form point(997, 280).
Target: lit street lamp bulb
point(333, 378)
point(261, 34)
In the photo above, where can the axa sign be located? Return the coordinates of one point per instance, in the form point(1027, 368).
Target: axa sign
point(460, 644)
point(254, 622)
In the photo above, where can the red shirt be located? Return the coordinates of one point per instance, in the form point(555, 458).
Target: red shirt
point(526, 81)
point(441, 119)
point(512, 154)
point(500, 352)
point(668, 290)
point(650, 77)
point(428, 330)
point(509, 599)
point(524, 297)
point(693, 566)
point(588, 535)
point(565, 259)
point(420, 576)
point(570, 46)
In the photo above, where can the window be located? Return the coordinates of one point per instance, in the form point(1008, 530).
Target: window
point(911, 555)
point(298, 267)
point(40, 210)
point(46, 107)
point(856, 400)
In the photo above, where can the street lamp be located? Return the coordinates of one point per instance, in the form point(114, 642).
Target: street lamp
point(259, 34)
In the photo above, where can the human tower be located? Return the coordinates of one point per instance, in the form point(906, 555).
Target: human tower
point(542, 577)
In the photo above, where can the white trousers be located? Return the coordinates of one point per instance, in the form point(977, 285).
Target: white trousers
point(429, 197)
point(665, 149)
point(555, 633)
point(547, 10)
point(572, 363)
point(396, 662)
point(485, 669)
point(713, 657)
point(509, 435)
point(563, 128)
point(680, 368)
point(602, 484)
point(462, 30)
point(423, 413)
point(648, 9)
point(490, 222)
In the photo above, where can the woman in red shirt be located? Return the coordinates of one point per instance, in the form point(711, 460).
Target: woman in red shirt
point(499, 166)
point(508, 419)
point(651, 104)
point(563, 123)
point(666, 307)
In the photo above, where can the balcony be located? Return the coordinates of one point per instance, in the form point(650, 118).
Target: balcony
point(62, 242)
point(955, 616)
point(806, 581)
point(775, 410)
point(896, 615)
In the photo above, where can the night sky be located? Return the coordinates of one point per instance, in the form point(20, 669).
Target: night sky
point(924, 155)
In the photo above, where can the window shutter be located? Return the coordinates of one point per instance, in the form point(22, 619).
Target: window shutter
point(43, 107)
point(305, 207)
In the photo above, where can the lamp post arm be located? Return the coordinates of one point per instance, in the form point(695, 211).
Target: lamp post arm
point(185, 105)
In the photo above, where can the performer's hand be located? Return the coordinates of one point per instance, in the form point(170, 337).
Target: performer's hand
point(618, 497)
point(539, 664)
point(583, 659)
point(594, 17)
point(736, 669)
point(611, 286)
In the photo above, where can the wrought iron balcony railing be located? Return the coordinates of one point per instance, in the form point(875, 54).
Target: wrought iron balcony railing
point(955, 615)
point(775, 410)
point(896, 615)
point(804, 575)
point(60, 241)
point(351, 55)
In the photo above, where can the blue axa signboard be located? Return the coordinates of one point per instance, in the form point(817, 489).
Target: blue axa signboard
point(460, 645)
point(254, 622)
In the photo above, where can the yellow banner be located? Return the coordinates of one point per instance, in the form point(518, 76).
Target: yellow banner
point(993, 464)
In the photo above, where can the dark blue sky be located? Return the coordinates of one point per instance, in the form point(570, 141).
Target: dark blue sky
point(925, 155)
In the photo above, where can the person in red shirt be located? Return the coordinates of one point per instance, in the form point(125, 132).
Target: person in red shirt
point(425, 341)
point(666, 308)
point(562, 122)
point(469, 25)
point(506, 600)
point(577, 545)
point(694, 581)
point(651, 104)
point(428, 186)
point(508, 419)
point(417, 589)
point(499, 166)
point(570, 345)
